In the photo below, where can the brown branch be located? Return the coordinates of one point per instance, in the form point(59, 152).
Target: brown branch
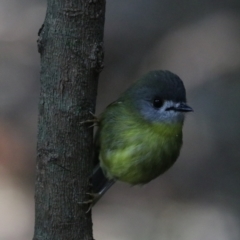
point(71, 47)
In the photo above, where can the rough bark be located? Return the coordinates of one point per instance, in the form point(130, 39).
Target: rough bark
point(71, 48)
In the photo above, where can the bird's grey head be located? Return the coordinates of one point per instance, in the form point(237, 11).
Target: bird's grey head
point(159, 96)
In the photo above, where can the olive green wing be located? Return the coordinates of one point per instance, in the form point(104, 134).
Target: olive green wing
point(99, 181)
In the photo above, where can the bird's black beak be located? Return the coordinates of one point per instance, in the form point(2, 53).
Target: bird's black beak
point(181, 107)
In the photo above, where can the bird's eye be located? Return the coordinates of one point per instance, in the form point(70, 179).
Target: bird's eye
point(158, 102)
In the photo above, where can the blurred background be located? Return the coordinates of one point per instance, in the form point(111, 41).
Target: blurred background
point(199, 197)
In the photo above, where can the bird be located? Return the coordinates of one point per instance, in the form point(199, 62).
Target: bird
point(139, 136)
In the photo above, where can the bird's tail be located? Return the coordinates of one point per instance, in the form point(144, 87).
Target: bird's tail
point(100, 184)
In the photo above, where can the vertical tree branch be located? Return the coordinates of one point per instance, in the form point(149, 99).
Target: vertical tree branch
point(71, 47)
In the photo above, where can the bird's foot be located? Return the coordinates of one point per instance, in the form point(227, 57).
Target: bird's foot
point(94, 120)
point(93, 199)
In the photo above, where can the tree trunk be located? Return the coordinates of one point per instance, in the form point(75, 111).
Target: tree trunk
point(71, 47)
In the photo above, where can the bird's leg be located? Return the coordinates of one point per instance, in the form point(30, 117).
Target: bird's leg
point(94, 197)
point(90, 200)
point(94, 120)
